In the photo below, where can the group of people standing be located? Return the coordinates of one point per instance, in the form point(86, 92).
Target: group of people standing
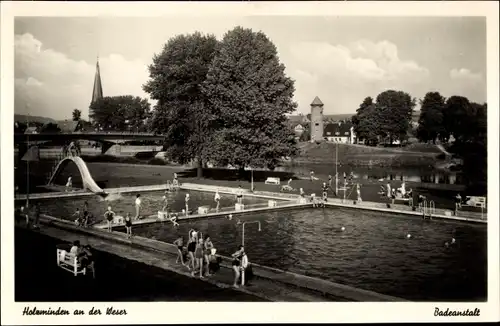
point(199, 256)
point(84, 218)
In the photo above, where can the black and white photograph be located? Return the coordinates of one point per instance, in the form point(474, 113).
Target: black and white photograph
point(249, 157)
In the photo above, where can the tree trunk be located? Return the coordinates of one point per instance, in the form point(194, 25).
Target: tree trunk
point(241, 173)
point(199, 168)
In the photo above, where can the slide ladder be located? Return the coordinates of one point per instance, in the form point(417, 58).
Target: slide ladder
point(87, 180)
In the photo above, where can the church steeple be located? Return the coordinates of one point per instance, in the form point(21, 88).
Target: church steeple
point(97, 91)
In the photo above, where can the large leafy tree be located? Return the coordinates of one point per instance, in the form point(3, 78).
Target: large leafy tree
point(122, 113)
point(249, 95)
point(430, 123)
point(370, 121)
point(356, 119)
point(176, 76)
point(396, 109)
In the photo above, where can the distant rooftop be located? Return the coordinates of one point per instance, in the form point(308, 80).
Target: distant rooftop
point(317, 102)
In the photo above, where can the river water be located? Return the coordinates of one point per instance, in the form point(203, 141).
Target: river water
point(375, 173)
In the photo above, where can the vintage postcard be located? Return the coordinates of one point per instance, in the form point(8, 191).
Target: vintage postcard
point(195, 162)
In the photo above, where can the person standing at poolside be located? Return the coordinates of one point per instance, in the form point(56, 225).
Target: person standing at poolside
point(312, 175)
point(358, 190)
point(37, 215)
point(236, 264)
point(186, 200)
point(128, 225)
point(109, 216)
point(137, 206)
point(217, 200)
point(179, 243)
point(208, 251)
point(329, 180)
point(325, 188)
point(85, 219)
point(191, 247)
point(86, 207)
point(302, 193)
point(458, 202)
point(199, 255)
point(239, 195)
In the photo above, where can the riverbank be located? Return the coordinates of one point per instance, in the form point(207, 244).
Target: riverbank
point(354, 155)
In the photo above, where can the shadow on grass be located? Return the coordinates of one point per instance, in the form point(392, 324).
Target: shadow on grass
point(237, 175)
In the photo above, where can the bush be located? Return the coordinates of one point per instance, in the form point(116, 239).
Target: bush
point(112, 159)
point(157, 161)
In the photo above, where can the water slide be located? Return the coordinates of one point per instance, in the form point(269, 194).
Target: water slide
point(88, 181)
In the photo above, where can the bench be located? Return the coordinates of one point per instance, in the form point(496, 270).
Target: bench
point(117, 219)
point(69, 262)
point(272, 180)
point(475, 201)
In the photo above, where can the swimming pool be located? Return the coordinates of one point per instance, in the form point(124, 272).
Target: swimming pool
point(152, 202)
point(373, 253)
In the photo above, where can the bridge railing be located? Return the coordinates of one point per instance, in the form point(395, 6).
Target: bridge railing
point(121, 133)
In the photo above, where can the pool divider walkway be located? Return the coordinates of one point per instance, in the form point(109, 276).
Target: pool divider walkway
point(269, 283)
point(439, 213)
point(223, 212)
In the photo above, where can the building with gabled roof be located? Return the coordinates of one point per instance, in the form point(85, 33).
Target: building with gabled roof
point(340, 133)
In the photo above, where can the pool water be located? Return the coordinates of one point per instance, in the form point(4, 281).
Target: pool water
point(151, 203)
point(373, 253)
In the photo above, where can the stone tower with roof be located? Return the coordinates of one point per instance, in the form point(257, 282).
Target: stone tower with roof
point(316, 120)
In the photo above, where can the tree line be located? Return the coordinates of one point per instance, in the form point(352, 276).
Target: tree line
point(223, 102)
point(388, 118)
point(466, 121)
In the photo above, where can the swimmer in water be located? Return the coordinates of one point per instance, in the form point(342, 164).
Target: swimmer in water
point(230, 217)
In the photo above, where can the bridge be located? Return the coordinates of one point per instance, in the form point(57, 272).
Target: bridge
point(107, 139)
point(95, 136)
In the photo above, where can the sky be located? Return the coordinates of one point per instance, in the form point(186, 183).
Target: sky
point(341, 60)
